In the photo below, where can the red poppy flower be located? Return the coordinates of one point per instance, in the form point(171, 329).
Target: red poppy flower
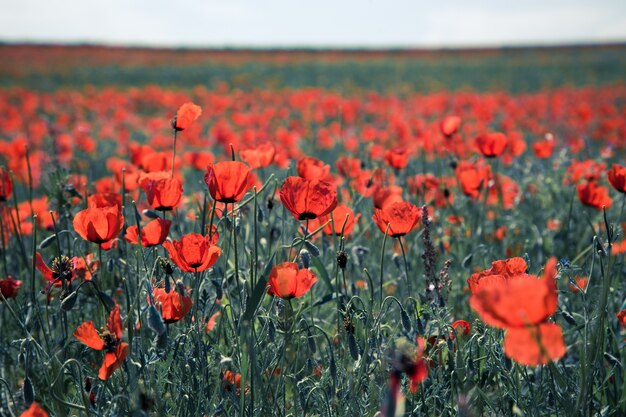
point(593, 195)
point(287, 281)
point(185, 115)
point(341, 214)
point(312, 168)
point(402, 217)
point(228, 181)
point(99, 224)
point(349, 167)
point(6, 185)
point(621, 318)
point(152, 234)
point(491, 145)
point(308, 199)
point(108, 340)
point(66, 268)
point(473, 177)
point(383, 196)
point(397, 158)
point(163, 191)
point(260, 156)
point(520, 344)
point(104, 200)
point(34, 410)
point(173, 305)
point(193, 252)
point(212, 321)
point(450, 125)
point(617, 177)
point(543, 148)
point(461, 328)
point(521, 304)
point(9, 287)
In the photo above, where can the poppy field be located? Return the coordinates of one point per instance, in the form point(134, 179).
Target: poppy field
point(290, 247)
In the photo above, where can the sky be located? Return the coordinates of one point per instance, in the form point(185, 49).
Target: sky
point(321, 23)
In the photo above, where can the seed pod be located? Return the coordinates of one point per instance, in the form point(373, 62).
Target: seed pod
point(155, 321)
point(260, 215)
point(342, 259)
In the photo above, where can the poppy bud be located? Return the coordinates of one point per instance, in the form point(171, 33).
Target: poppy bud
point(354, 349)
point(155, 321)
point(28, 391)
point(314, 250)
point(305, 257)
point(68, 301)
point(406, 320)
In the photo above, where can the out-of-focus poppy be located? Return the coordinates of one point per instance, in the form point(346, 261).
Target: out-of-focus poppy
point(108, 340)
point(473, 177)
point(543, 148)
point(312, 168)
point(152, 234)
point(617, 177)
point(185, 116)
point(308, 199)
point(402, 217)
point(6, 185)
point(461, 328)
point(384, 196)
point(9, 287)
point(341, 214)
point(193, 252)
point(173, 305)
point(212, 322)
point(162, 191)
point(521, 304)
point(578, 284)
point(501, 270)
point(397, 158)
point(260, 156)
point(287, 281)
point(99, 224)
point(104, 200)
point(35, 410)
point(594, 195)
point(228, 181)
point(621, 318)
point(449, 125)
point(491, 145)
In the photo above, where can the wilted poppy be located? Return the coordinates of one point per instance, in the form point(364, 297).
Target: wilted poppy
point(308, 199)
point(162, 191)
point(173, 305)
point(185, 115)
point(152, 234)
point(6, 185)
point(594, 195)
point(9, 287)
point(617, 177)
point(402, 217)
point(287, 281)
point(193, 252)
point(228, 181)
point(491, 145)
point(109, 340)
point(99, 224)
point(35, 410)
